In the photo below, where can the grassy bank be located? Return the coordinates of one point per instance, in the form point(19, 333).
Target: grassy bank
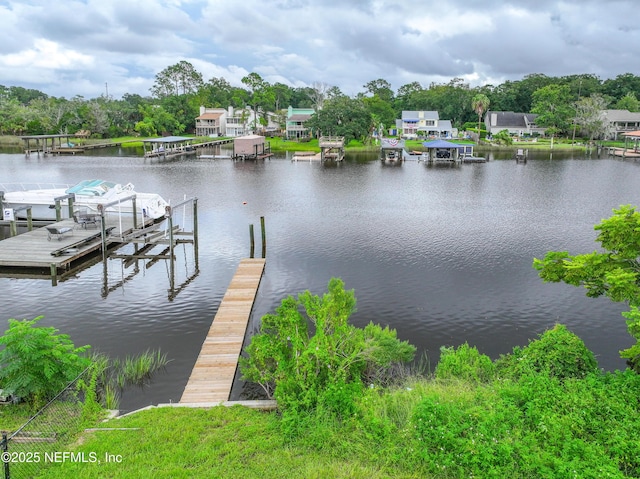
point(538, 426)
point(279, 144)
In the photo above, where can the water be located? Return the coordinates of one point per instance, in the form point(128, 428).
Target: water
point(441, 254)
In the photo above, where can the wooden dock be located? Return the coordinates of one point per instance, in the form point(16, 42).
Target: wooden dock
point(212, 376)
point(37, 249)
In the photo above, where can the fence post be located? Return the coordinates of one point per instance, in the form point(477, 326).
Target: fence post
point(5, 448)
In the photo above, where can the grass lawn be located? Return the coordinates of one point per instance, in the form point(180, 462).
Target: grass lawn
point(219, 442)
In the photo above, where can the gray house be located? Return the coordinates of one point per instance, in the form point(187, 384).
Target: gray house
point(621, 121)
point(518, 124)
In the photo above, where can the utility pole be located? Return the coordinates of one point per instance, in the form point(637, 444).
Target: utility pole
point(574, 118)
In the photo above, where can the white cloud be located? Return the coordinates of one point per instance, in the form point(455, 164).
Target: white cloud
point(79, 45)
point(49, 55)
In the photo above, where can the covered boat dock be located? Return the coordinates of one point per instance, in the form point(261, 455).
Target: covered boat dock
point(168, 146)
point(631, 146)
point(446, 151)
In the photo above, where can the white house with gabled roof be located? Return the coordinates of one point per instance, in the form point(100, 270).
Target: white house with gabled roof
point(423, 123)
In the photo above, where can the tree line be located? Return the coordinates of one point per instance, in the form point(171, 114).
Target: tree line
point(179, 90)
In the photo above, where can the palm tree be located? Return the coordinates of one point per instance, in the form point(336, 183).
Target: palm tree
point(480, 104)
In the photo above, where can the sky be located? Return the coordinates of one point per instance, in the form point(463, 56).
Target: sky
point(98, 47)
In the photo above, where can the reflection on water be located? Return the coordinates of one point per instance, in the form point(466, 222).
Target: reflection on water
point(441, 254)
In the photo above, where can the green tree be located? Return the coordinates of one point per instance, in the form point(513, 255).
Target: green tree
point(552, 104)
point(178, 79)
point(480, 104)
point(13, 116)
point(405, 96)
point(614, 273)
point(307, 354)
point(590, 116)
point(37, 362)
point(619, 86)
point(382, 111)
point(155, 120)
point(380, 88)
point(343, 116)
point(262, 96)
point(217, 92)
point(628, 102)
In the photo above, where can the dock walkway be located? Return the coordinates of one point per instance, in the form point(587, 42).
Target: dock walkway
point(212, 376)
point(38, 249)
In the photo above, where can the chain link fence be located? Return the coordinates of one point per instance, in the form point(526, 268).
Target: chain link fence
point(43, 438)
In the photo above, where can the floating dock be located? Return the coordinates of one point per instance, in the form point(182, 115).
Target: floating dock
point(214, 371)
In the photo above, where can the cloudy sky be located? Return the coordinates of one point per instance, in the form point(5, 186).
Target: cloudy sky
point(84, 47)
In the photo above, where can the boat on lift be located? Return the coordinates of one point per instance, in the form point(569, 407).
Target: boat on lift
point(88, 195)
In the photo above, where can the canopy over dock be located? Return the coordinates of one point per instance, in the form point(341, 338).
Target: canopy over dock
point(441, 150)
point(168, 146)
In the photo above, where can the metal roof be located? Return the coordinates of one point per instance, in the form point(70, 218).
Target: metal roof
point(441, 144)
point(298, 117)
point(169, 139)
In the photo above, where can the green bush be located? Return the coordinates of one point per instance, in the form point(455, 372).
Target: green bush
point(464, 363)
point(557, 352)
point(308, 356)
point(36, 362)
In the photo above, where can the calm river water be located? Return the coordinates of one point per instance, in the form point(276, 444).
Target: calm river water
point(441, 254)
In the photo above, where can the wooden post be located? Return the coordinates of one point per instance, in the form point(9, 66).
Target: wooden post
point(71, 205)
point(54, 274)
point(195, 231)
point(172, 259)
point(264, 237)
point(1, 200)
point(29, 219)
point(104, 233)
point(251, 241)
point(58, 211)
point(13, 228)
point(135, 215)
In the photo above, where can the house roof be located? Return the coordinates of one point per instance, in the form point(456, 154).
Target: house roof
point(209, 116)
point(168, 139)
point(440, 144)
point(510, 118)
point(248, 137)
point(622, 115)
point(443, 125)
point(632, 134)
point(411, 115)
point(298, 117)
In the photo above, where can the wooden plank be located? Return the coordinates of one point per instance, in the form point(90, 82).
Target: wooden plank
point(215, 368)
point(34, 249)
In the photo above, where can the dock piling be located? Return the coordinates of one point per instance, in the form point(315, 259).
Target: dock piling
point(251, 241)
point(264, 237)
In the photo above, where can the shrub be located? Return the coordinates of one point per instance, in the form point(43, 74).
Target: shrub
point(36, 362)
point(558, 352)
point(308, 356)
point(464, 363)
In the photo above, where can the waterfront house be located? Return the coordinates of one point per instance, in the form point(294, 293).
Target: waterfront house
point(621, 121)
point(517, 124)
point(425, 124)
point(210, 121)
point(295, 124)
point(224, 121)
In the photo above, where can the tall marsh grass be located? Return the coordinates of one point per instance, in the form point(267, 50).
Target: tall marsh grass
point(115, 375)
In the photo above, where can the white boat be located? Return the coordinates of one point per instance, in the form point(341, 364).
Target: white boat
point(88, 195)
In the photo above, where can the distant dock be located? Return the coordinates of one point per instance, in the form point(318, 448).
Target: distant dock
point(214, 371)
